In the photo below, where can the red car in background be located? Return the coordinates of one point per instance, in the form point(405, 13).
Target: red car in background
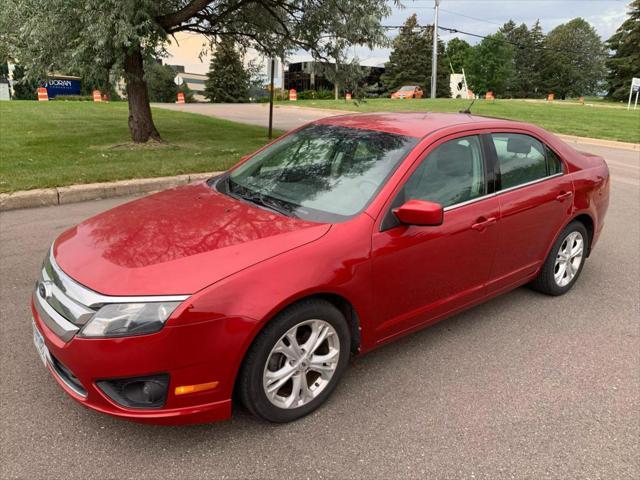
point(408, 91)
point(335, 239)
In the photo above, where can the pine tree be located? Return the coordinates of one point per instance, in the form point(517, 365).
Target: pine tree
point(410, 60)
point(527, 54)
point(624, 64)
point(227, 79)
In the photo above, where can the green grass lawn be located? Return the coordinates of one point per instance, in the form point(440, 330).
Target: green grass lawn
point(569, 118)
point(51, 144)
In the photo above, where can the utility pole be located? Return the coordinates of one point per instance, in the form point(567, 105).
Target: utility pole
point(273, 68)
point(434, 59)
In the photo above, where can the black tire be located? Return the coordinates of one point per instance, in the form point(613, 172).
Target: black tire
point(250, 382)
point(545, 281)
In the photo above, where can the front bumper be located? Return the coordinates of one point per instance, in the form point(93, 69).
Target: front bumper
point(190, 354)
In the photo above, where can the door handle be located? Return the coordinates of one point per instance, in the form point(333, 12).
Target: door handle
point(483, 223)
point(563, 196)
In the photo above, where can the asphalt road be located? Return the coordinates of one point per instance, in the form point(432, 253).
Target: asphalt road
point(524, 386)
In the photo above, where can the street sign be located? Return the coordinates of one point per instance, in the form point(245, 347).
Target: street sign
point(635, 84)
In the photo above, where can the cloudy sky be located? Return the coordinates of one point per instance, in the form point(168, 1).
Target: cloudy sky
point(476, 16)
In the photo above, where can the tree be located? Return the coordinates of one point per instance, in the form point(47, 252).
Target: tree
point(343, 73)
point(624, 64)
point(410, 60)
point(491, 65)
point(98, 36)
point(575, 60)
point(457, 52)
point(227, 80)
point(528, 58)
point(160, 82)
point(23, 88)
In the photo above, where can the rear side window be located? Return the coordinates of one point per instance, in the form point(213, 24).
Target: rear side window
point(523, 159)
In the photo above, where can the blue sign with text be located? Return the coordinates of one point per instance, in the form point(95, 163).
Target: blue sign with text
point(62, 86)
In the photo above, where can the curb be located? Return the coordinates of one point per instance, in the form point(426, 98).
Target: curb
point(634, 147)
point(94, 191)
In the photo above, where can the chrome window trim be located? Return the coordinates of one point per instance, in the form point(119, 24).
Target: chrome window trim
point(92, 299)
point(499, 192)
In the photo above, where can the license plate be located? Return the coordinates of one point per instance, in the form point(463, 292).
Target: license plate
point(38, 341)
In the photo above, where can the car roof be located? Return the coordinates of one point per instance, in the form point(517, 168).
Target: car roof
point(410, 124)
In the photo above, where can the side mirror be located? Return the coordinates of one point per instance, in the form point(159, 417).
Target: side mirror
point(420, 212)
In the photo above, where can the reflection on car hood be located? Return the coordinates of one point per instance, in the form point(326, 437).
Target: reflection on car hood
point(176, 242)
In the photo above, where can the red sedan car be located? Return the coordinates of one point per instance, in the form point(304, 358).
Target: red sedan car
point(339, 237)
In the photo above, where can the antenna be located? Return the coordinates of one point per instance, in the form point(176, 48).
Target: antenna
point(468, 109)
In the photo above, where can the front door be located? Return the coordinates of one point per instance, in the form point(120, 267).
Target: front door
point(421, 273)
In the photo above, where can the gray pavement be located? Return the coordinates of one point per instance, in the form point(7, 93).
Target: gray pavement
point(284, 118)
point(523, 386)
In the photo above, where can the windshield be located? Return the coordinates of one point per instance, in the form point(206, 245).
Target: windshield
point(322, 173)
point(406, 89)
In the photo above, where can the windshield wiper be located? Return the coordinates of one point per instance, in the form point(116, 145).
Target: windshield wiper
point(259, 199)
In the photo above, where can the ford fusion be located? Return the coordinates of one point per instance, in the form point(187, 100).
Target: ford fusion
point(259, 284)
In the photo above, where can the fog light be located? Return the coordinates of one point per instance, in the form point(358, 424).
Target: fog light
point(137, 392)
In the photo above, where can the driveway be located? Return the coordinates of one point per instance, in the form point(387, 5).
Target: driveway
point(523, 386)
point(284, 118)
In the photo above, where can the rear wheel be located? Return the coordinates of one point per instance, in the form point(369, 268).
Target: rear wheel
point(295, 362)
point(566, 259)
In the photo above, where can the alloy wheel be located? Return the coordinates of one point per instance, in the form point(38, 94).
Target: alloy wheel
point(568, 259)
point(301, 364)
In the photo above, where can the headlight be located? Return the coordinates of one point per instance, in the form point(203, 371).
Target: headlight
point(124, 319)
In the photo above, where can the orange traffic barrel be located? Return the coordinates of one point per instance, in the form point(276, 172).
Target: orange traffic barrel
point(293, 95)
point(43, 96)
point(180, 97)
point(550, 97)
point(97, 96)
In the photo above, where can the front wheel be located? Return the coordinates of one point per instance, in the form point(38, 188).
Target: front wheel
point(295, 362)
point(566, 259)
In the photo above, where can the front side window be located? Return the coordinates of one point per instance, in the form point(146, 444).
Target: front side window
point(452, 173)
point(523, 159)
point(321, 173)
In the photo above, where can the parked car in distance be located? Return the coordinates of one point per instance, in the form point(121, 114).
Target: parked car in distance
point(337, 238)
point(409, 91)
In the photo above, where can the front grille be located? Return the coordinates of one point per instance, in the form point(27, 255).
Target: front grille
point(67, 376)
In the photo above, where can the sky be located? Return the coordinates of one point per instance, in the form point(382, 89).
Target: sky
point(476, 16)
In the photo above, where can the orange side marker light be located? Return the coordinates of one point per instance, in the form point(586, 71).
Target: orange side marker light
point(201, 387)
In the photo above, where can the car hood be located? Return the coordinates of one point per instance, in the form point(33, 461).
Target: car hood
point(176, 242)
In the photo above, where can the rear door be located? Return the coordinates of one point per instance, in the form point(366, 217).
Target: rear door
point(536, 201)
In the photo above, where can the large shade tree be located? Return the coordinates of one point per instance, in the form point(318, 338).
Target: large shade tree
point(99, 36)
point(624, 64)
point(575, 58)
point(491, 65)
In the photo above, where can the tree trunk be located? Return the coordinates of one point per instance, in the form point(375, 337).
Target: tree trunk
point(140, 121)
point(336, 90)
